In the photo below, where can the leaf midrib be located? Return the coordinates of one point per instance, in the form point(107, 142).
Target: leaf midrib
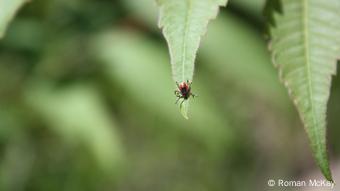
point(186, 31)
point(309, 72)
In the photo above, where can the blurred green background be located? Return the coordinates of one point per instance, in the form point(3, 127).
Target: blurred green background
point(87, 103)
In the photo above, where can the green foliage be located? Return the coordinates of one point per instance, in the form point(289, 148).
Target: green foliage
point(305, 46)
point(251, 7)
point(183, 24)
point(127, 56)
point(77, 114)
point(221, 50)
point(8, 10)
point(184, 109)
point(270, 8)
point(86, 102)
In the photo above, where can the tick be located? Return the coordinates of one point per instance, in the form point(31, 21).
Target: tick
point(183, 91)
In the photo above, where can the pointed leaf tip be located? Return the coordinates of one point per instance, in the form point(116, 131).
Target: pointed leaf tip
point(184, 109)
point(183, 23)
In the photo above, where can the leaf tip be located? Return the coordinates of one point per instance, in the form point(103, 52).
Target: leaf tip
point(322, 161)
point(327, 174)
point(184, 108)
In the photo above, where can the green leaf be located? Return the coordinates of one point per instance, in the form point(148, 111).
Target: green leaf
point(184, 107)
point(305, 46)
point(8, 9)
point(183, 23)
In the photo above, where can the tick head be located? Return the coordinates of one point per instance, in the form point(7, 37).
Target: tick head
point(184, 88)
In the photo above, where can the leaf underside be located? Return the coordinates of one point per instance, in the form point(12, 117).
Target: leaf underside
point(183, 23)
point(8, 9)
point(305, 46)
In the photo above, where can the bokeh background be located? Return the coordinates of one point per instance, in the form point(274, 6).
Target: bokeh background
point(87, 103)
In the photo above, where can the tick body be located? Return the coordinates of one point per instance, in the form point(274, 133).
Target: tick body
point(183, 91)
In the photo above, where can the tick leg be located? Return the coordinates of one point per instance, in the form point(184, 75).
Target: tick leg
point(180, 105)
point(177, 93)
point(177, 85)
point(177, 100)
